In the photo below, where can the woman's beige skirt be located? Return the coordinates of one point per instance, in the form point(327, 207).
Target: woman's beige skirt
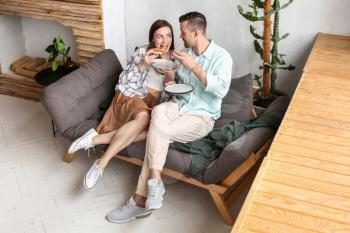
point(124, 109)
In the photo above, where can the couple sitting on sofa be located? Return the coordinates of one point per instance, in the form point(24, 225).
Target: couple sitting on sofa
point(133, 115)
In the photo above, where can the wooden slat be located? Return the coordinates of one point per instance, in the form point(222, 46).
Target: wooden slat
point(319, 155)
point(309, 143)
point(309, 173)
point(303, 161)
point(297, 218)
point(306, 195)
point(263, 225)
point(84, 17)
point(90, 41)
point(218, 189)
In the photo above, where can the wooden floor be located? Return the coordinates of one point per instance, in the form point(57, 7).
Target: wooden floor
point(303, 184)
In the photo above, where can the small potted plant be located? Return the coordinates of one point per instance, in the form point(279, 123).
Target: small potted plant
point(61, 63)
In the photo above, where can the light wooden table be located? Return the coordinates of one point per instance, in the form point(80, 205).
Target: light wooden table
point(303, 184)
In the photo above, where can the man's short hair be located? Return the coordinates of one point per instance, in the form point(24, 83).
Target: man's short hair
point(195, 20)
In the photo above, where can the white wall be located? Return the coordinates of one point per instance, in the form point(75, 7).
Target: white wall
point(126, 25)
point(47, 30)
point(12, 41)
point(302, 19)
point(114, 28)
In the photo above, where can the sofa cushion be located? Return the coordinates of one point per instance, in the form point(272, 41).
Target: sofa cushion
point(238, 102)
point(76, 97)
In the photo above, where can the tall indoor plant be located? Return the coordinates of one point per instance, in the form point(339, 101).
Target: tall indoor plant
point(272, 59)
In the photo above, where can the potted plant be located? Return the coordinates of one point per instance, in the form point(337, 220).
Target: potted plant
point(61, 63)
point(272, 59)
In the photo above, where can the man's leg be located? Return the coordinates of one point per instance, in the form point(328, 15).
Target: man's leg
point(167, 126)
point(171, 112)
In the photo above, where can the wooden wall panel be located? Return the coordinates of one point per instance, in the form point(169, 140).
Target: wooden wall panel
point(84, 17)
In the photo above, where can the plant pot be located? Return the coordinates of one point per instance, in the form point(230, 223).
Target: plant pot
point(265, 102)
point(48, 76)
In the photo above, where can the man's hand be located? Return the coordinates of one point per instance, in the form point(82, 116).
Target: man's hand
point(185, 59)
point(169, 74)
point(192, 65)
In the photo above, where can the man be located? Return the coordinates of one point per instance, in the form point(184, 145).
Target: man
point(207, 67)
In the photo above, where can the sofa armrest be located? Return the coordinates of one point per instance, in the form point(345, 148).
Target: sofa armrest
point(76, 97)
point(235, 153)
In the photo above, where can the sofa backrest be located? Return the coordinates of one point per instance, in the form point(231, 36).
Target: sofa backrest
point(76, 97)
point(238, 102)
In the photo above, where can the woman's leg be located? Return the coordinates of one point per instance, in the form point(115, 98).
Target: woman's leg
point(106, 138)
point(132, 131)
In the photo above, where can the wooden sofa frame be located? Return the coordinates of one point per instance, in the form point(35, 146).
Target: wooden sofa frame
point(241, 176)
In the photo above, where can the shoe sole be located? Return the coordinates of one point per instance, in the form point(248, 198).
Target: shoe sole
point(129, 219)
point(74, 144)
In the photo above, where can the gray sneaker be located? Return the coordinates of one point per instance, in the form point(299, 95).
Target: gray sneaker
point(156, 192)
point(128, 212)
point(84, 142)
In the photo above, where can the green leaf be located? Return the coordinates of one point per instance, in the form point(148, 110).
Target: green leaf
point(61, 48)
point(279, 60)
point(290, 67)
point(50, 57)
point(285, 5)
point(249, 15)
point(54, 55)
point(283, 37)
point(271, 66)
point(258, 48)
point(55, 65)
point(255, 35)
point(67, 51)
point(257, 78)
point(259, 3)
point(50, 48)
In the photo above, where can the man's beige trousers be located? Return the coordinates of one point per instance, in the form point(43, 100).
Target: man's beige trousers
point(166, 127)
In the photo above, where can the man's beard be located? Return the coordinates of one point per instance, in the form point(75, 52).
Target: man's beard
point(186, 45)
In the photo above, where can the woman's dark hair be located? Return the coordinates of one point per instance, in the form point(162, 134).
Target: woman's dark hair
point(155, 26)
point(195, 20)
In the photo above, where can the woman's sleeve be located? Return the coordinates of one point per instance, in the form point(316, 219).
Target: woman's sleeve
point(132, 72)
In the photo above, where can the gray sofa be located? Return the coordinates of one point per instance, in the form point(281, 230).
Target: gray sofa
point(74, 104)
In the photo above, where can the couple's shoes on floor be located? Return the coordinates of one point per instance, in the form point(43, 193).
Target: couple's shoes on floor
point(130, 211)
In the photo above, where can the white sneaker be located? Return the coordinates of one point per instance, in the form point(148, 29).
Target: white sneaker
point(84, 142)
point(128, 212)
point(93, 176)
point(156, 192)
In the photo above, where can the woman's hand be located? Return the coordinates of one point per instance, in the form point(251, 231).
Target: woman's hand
point(185, 59)
point(148, 59)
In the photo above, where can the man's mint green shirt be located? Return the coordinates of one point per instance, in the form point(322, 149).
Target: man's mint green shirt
point(206, 100)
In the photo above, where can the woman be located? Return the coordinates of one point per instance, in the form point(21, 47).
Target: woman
point(137, 92)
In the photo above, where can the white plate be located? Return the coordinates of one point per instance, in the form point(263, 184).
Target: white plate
point(179, 89)
point(164, 64)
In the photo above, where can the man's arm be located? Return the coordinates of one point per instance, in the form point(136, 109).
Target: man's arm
point(219, 76)
point(192, 65)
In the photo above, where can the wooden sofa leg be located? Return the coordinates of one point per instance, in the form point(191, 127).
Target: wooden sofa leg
point(69, 157)
point(222, 207)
